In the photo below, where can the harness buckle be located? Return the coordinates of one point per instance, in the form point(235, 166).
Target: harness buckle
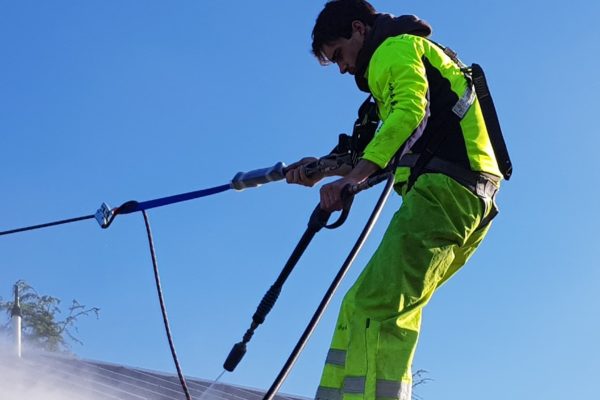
point(485, 187)
point(464, 103)
point(454, 57)
point(480, 188)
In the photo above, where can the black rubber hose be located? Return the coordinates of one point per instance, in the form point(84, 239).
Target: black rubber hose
point(331, 291)
point(163, 309)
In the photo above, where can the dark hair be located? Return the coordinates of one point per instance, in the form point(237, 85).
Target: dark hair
point(335, 21)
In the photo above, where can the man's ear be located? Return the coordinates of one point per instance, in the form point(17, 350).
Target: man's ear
point(359, 26)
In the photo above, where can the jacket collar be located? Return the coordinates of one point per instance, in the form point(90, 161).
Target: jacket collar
point(385, 26)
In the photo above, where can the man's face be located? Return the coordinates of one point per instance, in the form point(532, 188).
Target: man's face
point(344, 52)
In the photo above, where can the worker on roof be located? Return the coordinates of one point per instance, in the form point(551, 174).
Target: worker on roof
point(421, 92)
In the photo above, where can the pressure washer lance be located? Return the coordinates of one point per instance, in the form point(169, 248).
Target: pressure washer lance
point(317, 221)
point(105, 215)
point(242, 180)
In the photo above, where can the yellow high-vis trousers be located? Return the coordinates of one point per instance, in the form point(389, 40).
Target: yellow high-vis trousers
point(432, 235)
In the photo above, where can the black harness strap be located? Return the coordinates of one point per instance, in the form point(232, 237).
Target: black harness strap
point(476, 79)
point(481, 184)
point(433, 143)
point(364, 128)
point(491, 121)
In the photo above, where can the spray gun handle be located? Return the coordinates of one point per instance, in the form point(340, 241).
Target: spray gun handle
point(325, 164)
point(311, 169)
point(367, 183)
point(347, 199)
point(348, 193)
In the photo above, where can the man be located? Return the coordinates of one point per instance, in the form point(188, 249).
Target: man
point(448, 178)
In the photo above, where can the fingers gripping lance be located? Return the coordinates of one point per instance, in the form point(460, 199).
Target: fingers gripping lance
point(257, 177)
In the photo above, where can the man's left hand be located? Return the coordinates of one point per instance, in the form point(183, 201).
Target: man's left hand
point(331, 194)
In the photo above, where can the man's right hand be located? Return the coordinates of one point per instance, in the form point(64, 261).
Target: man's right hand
point(296, 173)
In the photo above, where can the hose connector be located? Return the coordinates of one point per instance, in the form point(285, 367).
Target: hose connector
point(104, 215)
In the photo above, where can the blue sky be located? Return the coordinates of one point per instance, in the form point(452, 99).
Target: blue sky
point(112, 101)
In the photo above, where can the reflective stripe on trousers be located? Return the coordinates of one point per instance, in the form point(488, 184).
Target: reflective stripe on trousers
point(336, 357)
point(356, 385)
point(429, 239)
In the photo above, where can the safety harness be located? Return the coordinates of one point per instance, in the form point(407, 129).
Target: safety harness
point(350, 148)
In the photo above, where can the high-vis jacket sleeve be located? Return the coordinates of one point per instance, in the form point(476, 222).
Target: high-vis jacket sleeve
point(398, 82)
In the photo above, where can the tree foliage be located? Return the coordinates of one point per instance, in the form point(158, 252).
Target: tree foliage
point(419, 378)
point(41, 318)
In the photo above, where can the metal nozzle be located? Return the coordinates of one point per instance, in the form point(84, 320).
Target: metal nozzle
point(235, 356)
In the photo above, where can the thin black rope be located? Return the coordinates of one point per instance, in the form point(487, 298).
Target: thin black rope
point(40, 226)
point(163, 309)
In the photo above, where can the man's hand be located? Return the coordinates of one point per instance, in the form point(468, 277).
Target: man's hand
point(331, 194)
point(297, 175)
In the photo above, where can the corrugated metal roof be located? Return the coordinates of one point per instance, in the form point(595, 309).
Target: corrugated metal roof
point(58, 377)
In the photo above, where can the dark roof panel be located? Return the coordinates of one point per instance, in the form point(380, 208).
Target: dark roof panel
point(68, 377)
